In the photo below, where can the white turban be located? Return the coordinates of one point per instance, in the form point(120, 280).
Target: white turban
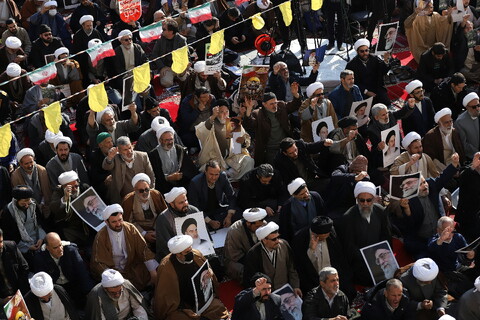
point(254, 216)
point(112, 278)
point(477, 284)
point(41, 284)
point(61, 139)
point(294, 185)
point(200, 66)
point(140, 177)
point(409, 138)
point(164, 129)
point(469, 97)
point(111, 209)
point(159, 122)
point(425, 269)
point(85, 18)
point(61, 51)
point(50, 3)
point(264, 231)
point(179, 243)
point(361, 42)
point(50, 137)
point(25, 152)
point(441, 113)
point(364, 187)
point(413, 85)
point(263, 6)
point(67, 177)
point(99, 115)
point(94, 42)
point(313, 87)
point(13, 42)
point(13, 69)
point(446, 317)
point(174, 193)
point(163, 2)
point(124, 33)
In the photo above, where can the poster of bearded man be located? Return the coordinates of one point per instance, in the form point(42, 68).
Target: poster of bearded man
point(380, 261)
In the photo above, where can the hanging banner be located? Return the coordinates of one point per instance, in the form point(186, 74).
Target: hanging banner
point(130, 10)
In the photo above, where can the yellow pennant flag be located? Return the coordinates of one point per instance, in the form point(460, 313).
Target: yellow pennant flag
point(180, 60)
point(286, 9)
point(97, 97)
point(317, 4)
point(257, 21)
point(141, 77)
point(53, 117)
point(216, 42)
point(5, 139)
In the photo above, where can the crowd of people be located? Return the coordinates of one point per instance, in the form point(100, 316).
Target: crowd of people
point(298, 204)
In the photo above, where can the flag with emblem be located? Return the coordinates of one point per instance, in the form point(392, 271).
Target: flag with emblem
point(200, 13)
point(43, 74)
point(100, 52)
point(151, 32)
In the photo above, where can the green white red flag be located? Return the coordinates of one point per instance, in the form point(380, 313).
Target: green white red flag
point(200, 13)
point(151, 32)
point(43, 74)
point(100, 52)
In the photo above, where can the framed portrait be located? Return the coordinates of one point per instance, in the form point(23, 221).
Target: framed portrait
point(314, 56)
point(49, 58)
point(89, 207)
point(128, 95)
point(380, 261)
point(291, 304)
point(16, 308)
point(404, 186)
point(361, 110)
point(391, 137)
point(213, 62)
point(203, 288)
point(71, 4)
point(253, 82)
point(387, 35)
point(194, 226)
point(321, 128)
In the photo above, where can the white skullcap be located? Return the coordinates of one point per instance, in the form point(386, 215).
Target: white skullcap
point(140, 177)
point(409, 138)
point(477, 284)
point(200, 66)
point(425, 269)
point(13, 42)
point(163, 2)
point(446, 317)
point(174, 193)
point(94, 42)
point(364, 187)
point(469, 97)
point(264, 231)
point(361, 42)
point(159, 122)
point(294, 185)
point(313, 87)
point(50, 3)
point(179, 243)
point(441, 113)
point(41, 284)
point(61, 51)
point(13, 69)
point(164, 129)
point(112, 278)
point(99, 115)
point(50, 137)
point(111, 209)
point(413, 85)
point(25, 152)
point(61, 139)
point(85, 18)
point(263, 6)
point(124, 33)
point(254, 216)
point(67, 177)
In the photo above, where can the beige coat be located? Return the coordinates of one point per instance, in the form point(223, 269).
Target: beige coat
point(399, 166)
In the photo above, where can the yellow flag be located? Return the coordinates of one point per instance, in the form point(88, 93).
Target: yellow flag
point(317, 4)
point(97, 97)
point(141, 77)
point(5, 139)
point(286, 9)
point(257, 21)
point(53, 116)
point(180, 60)
point(216, 42)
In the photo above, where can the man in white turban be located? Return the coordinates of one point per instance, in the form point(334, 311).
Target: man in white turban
point(422, 118)
point(13, 29)
point(197, 78)
point(469, 302)
point(49, 15)
point(467, 125)
point(12, 52)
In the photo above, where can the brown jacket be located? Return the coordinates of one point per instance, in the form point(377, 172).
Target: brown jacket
point(306, 126)
point(433, 144)
point(138, 218)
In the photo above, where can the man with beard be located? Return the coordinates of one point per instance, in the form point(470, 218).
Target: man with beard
point(362, 225)
point(258, 303)
point(385, 259)
point(348, 142)
point(413, 159)
point(14, 30)
point(119, 245)
point(291, 305)
point(68, 74)
point(189, 227)
point(12, 52)
point(165, 224)
point(215, 83)
point(124, 163)
point(435, 65)
point(65, 161)
point(100, 178)
point(46, 149)
point(142, 207)
point(46, 44)
point(15, 90)
point(421, 119)
point(49, 15)
point(450, 93)
point(467, 125)
point(409, 187)
point(148, 139)
point(345, 94)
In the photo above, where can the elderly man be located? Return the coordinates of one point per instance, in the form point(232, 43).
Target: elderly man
point(48, 15)
point(45, 44)
point(46, 300)
point(142, 206)
point(116, 298)
point(148, 139)
point(467, 125)
point(350, 142)
point(385, 259)
point(68, 76)
point(413, 159)
point(124, 163)
point(468, 304)
point(468, 204)
point(12, 52)
point(345, 93)
point(240, 238)
point(272, 256)
point(15, 89)
point(14, 30)
point(197, 78)
point(421, 119)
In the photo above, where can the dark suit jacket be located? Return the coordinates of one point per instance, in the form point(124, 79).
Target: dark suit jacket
point(16, 267)
point(377, 309)
point(33, 304)
point(116, 64)
point(426, 71)
point(433, 145)
point(316, 307)
point(460, 47)
point(245, 307)
point(369, 76)
point(198, 192)
point(420, 122)
point(415, 293)
point(442, 97)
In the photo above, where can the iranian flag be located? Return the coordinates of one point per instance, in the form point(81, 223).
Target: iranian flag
point(239, 2)
point(151, 32)
point(43, 74)
point(100, 51)
point(200, 13)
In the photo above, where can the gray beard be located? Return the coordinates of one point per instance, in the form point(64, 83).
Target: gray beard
point(365, 212)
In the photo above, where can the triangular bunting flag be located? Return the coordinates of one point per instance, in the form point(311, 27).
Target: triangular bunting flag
point(286, 9)
point(100, 52)
point(5, 139)
point(216, 42)
point(151, 32)
point(141, 77)
point(258, 21)
point(43, 74)
point(53, 117)
point(97, 97)
point(180, 60)
point(316, 4)
point(200, 13)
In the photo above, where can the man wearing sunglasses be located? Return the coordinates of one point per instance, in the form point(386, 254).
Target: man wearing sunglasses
point(467, 125)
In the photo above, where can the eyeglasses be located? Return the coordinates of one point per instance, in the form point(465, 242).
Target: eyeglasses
point(144, 190)
point(475, 106)
point(363, 50)
point(418, 92)
point(320, 94)
point(127, 39)
point(365, 200)
point(274, 239)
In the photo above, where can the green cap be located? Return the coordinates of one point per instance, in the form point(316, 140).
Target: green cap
point(102, 136)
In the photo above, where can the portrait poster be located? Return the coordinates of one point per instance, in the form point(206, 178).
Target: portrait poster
point(380, 260)
point(71, 4)
point(89, 207)
point(253, 82)
point(361, 110)
point(314, 56)
point(291, 304)
point(387, 35)
point(194, 225)
point(128, 95)
point(391, 137)
point(203, 288)
point(16, 308)
point(49, 58)
point(213, 62)
point(321, 128)
point(404, 186)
